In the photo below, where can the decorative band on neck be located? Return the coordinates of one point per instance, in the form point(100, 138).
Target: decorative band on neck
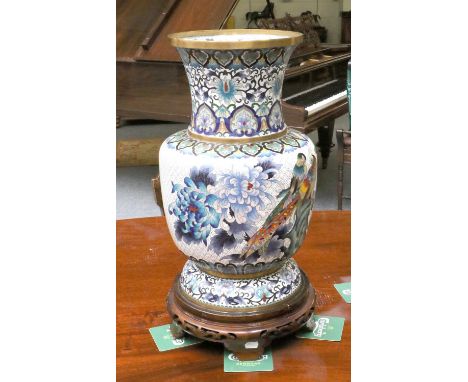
point(233, 140)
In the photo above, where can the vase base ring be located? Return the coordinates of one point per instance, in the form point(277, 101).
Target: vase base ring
point(244, 333)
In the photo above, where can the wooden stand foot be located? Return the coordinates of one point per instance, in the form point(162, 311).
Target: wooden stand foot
point(176, 330)
point(247, 351)
point(246, 332)
point(310, 324)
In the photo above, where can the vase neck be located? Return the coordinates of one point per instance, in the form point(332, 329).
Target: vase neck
point(236, 93)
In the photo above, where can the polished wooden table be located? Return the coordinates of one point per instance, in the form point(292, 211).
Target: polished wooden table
point(147, 263)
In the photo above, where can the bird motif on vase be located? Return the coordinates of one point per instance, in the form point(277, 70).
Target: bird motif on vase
point(291, 199)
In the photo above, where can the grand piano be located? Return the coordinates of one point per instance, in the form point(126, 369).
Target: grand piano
point(151, 81)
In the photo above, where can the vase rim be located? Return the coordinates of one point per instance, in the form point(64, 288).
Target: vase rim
point(235, 39)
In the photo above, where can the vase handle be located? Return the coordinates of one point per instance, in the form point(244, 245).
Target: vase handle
point(156, 182)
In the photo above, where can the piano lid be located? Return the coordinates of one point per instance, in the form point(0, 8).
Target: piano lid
point(143, 25)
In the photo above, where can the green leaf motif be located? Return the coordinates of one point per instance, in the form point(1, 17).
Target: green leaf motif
point(252, 149)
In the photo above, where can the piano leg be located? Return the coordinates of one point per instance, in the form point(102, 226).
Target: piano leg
point(325, 143)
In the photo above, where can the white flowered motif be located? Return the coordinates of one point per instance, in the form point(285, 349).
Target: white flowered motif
point(276, 118)
point(223, 201)
point(246, 190)
point(227, 89)
point(205, 120)
point(243, 122)
point(240, 293)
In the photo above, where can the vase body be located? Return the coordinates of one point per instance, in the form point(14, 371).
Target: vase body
point(238, 186)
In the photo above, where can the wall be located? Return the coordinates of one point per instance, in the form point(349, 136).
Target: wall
point(346, 5)
point(329, 11)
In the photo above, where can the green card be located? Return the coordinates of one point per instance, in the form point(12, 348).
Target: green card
point(326, 328)
point(164, 340)
point(345, 291)
point(233, 365)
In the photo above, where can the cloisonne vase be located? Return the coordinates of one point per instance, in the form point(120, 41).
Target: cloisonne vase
point(238, 188)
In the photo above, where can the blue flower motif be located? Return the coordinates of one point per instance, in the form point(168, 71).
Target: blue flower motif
point(194, 210)
point(226, 88)
point(245, 191)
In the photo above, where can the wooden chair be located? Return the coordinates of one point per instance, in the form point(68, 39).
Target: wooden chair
point(343, 139)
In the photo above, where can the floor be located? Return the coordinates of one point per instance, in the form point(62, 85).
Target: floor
point(135, 194)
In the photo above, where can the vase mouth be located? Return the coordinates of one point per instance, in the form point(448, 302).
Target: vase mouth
point(235, 39)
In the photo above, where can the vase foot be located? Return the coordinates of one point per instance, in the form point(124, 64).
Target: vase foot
point(310, 324)
point(176, 330)
point(247, 351)
point(244, 332)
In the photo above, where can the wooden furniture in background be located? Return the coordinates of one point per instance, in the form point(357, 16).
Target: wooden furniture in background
point(138, 152)
point(151, 81)
point(343, 139)
point(346, 27)
point(147, 264)
point(316, 74)
point(306, 24)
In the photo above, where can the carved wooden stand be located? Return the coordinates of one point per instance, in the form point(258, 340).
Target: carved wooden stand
point(245, 332)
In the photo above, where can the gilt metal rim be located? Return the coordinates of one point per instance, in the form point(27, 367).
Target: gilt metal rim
point(289, 38)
